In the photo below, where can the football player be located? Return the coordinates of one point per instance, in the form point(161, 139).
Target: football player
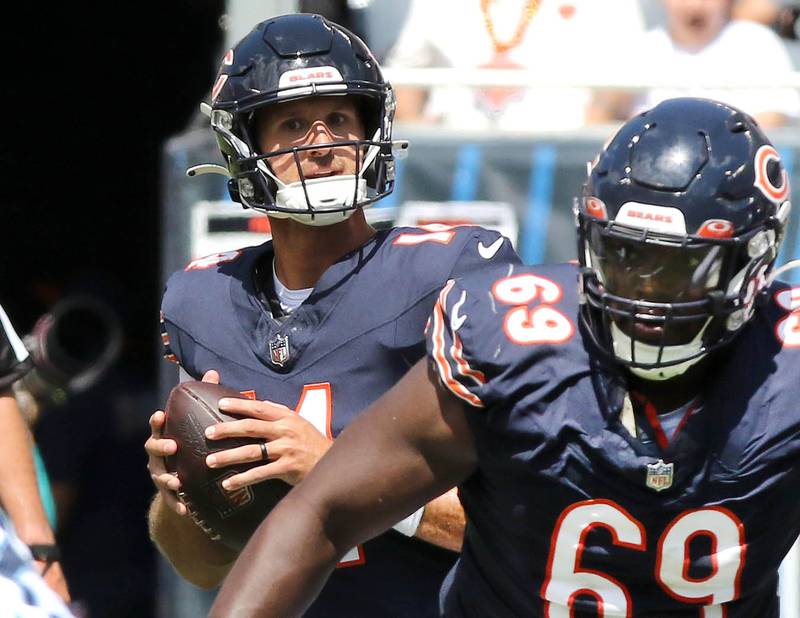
point(22, 518)
point(624, 433)
point(323, 318)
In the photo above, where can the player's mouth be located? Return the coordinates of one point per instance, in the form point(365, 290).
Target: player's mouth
point(648, 333)
point(325, 174)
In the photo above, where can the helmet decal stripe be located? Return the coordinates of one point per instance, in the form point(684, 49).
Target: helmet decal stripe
point(218, 86)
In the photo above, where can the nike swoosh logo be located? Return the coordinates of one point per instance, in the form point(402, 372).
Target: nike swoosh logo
point(487, 253)
point(456, 320)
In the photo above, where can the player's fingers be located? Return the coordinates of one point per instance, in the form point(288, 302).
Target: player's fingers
point(265, 410)
point(240, 454)
point(160, 447)
point(243, 428)
point(166, 482)
point(212, 375)
point(157, 422)
point(255, 475)
point(156, 465)
point(173, 502)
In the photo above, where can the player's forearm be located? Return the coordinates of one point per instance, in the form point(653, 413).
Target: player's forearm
point(19, 488)
point(443, 522)
point(283, 567)
point(194, 555)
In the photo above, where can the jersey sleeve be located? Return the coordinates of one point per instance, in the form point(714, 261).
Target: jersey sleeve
point(485, 248)
point(497, 323)
point(14, 358)
point(458, 312)
point(176, 346)
point(176, 343)
point(456, 372)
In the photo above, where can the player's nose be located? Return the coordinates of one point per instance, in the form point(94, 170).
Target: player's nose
point(320, 133)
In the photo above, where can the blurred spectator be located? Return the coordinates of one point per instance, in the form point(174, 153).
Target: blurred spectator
point(555, 37)
point(780, 15)
point(92, 449)
point(22, 590)
point(340, 11)
point(701, 39)
point(19, 492)
point(336, 10)
point(91, 445)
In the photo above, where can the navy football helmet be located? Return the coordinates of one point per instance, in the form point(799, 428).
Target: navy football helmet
point(294, 57)
point(679, 224)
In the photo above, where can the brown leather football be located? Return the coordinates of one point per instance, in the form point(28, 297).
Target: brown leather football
point(227, 516)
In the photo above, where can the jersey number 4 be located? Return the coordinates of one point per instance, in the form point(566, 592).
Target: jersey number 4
point(566, 579)
point(316, 406)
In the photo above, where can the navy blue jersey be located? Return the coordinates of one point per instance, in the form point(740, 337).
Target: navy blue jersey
point(567, 511)
point(352, 339)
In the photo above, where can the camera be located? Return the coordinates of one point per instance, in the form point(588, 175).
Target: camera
point(71, 346)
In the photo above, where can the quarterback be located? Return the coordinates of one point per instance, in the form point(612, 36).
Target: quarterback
point(324, 317)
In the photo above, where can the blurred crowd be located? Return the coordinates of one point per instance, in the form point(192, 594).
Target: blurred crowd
point(633, 54)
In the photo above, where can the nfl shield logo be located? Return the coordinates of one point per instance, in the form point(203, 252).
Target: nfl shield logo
point(659, 475)
point(279, 350)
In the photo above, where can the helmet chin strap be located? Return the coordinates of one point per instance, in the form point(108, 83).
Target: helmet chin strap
point(646, 353)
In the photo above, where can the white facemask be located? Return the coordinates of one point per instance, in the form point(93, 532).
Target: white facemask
point(646, 353)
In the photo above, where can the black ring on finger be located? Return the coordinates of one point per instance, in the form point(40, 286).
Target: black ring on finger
point(264, 453)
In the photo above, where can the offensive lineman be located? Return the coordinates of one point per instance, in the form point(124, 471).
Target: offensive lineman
point(625, 434)
point(326, 316)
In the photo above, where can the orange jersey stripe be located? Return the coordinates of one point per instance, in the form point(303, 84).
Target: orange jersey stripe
point(439, 346)
point(457, 352)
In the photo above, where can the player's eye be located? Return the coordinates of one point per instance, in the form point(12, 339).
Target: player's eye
point(294, 126)
point(338, 120)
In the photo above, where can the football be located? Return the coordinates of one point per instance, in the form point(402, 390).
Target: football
point(227, 516)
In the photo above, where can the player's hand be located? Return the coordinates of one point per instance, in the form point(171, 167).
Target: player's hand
point(294, 445)
point(54, 577)
point(157, 448)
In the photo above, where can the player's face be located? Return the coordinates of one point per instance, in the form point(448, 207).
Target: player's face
point(309, 122)
point(697, 22)
point(659, 274)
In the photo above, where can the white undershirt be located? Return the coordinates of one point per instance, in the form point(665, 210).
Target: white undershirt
point(289, 299)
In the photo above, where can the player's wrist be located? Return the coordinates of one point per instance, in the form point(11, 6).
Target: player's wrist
point(410, 524)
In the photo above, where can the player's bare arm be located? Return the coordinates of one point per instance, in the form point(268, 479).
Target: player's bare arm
point(191, 552)
point(294, 448)
point(412, 445)
point(443, 522)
